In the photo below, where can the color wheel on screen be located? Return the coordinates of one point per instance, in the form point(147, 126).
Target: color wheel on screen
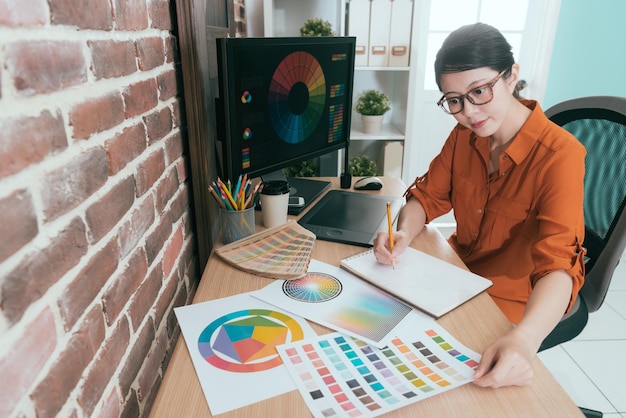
point(246, 340)
point(296, 97)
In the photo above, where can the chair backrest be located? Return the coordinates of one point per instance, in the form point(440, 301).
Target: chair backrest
point(599, 123)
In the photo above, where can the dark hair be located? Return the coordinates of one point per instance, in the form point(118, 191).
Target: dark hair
point(473, 46)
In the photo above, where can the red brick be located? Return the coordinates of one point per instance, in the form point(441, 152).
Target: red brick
point(181, 299)
point(149, 372)
point(131, 15)
point(122, 287)
point(172, 251)
point(149, 171)
point(146, 297)
point(112, 59)
point(40, 269)
point(131, 408)
point(110, 406)
point(40, 67)
point(84, 14)
point(168, 85)
point(22, 13)
point(136, 357)
point(156, 239)
point(140, 97)
point(180, 205)
point(181, 169)
point(97, 115)
point(171, 50)
point(106, 212)
point(103, 367)
point(66, 187)
point(125, 147)
point(174, 147)
point(53, 391)
point(150, 52)
point(165, 190)
point(80, 293)
point(19, 222)
point(158, 124)
point(160, 16)
point(176, 118)
point(164, 300)
point(135, 228)
point(28, 140)
point(25, 358)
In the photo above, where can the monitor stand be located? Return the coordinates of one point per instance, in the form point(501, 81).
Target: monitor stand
point(307, 188)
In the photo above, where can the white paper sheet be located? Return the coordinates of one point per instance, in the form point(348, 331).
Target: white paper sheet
point(232, 343)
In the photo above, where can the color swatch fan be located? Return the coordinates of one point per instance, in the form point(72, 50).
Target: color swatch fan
point(282, 252)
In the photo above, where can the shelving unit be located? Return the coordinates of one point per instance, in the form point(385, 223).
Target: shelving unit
point(285, 17)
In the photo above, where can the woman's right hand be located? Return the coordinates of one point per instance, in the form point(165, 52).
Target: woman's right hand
point(382, 246)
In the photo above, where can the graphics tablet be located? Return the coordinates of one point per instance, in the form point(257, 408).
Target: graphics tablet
point(350, 217)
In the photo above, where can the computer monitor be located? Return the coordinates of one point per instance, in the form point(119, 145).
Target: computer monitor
point(282, 101)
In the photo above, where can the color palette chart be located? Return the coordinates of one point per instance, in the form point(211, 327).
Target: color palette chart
point(341, 376)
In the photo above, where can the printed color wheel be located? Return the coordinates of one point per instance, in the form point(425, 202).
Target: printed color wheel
point(296, 98)
point(245, 341)
point(314, 287)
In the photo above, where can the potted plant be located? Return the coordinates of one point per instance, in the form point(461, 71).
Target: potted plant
point(362, 165)
point(372, 105)
point(316, 27)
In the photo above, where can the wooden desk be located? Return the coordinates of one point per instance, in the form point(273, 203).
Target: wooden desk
point(475, 324)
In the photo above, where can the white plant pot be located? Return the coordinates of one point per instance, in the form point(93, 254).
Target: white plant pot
point(372, 123)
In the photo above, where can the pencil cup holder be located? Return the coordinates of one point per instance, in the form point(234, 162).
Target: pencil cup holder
point(236, 224)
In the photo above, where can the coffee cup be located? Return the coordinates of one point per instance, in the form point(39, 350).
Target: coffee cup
point(274, 202)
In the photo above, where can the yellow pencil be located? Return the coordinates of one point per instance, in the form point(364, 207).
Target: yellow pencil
point(390, 226)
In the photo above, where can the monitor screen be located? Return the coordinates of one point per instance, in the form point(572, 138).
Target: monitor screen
point(282, 101)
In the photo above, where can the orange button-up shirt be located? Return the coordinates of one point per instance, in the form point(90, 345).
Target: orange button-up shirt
point(519, 223)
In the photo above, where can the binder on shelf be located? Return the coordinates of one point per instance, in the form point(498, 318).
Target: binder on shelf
point(380, 20)
point(400, 34)
point(359, 26)
point(392, 162)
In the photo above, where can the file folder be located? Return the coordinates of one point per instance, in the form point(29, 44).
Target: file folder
point(359, 26)
point(400, 35)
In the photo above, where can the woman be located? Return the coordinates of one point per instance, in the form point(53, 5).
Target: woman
point(515, 182)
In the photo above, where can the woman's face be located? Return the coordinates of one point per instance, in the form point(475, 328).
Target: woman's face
point(486, 119)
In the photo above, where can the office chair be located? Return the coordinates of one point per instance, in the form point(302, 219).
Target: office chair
point(599, 123)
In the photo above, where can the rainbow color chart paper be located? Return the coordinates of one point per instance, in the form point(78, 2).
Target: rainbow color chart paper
point(232, 343)
point(337, 299)
point(340, 376)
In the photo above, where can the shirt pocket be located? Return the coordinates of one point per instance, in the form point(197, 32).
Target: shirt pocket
point(506, 219)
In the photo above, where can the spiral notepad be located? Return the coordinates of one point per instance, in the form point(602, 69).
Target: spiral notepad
point(282, 252)
point(421, 280)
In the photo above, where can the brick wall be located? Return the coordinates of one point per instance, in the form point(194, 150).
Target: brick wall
point(96, 235)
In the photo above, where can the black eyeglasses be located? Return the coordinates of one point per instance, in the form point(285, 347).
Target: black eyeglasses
point(477, 96)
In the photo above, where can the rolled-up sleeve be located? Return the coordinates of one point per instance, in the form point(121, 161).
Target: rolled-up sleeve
point(561, 227)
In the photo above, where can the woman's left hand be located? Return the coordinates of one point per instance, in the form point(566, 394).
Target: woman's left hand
point(506, 362)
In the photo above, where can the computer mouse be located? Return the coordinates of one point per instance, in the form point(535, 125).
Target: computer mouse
point(368, 183)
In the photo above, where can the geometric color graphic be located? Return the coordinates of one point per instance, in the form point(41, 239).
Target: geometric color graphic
point(314, 287)
point(245, 341)
point(296, 98)
point(246, 97)
point(247, 133)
